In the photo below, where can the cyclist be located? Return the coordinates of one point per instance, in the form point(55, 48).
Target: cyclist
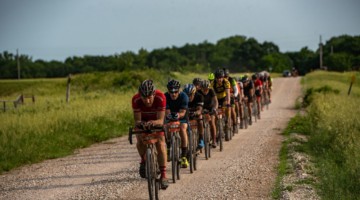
point(196, 83)
point(234, 92)
point(221, 87)
point(210, 104)
point(269, 84)
point(196, 103)
point(248, 94)
point(149, 110)
point(258, 91)
point(240, 97)
point(176, 107)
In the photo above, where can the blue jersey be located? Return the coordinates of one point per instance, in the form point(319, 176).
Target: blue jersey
point(181, 103)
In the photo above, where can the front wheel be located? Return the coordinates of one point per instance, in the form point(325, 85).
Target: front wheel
point(150, 174)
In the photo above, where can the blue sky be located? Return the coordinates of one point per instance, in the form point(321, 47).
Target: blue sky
point(57, 29)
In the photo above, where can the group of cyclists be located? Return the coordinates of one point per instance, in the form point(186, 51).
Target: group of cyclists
point(239, 100)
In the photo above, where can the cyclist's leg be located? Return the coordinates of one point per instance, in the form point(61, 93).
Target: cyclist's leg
point(233, 113)
point(200, 126)
point(141, 150)
point(184, 137)
point(213, 129)
point(162, 158)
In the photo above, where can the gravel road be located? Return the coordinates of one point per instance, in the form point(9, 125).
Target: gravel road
point(109, 170)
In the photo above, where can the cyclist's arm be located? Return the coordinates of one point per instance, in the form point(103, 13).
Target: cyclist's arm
point(235, 88)
point(160, 118)
point(137, 118)
point(182, 113)
point(227, 96)
point(214, 102)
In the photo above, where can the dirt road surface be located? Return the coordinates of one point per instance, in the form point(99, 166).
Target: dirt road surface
point(109, 170)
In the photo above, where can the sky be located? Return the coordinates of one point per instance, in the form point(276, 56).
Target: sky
point(58, 29)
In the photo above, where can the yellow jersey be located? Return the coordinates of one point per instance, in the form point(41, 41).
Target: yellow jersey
point(220, 89)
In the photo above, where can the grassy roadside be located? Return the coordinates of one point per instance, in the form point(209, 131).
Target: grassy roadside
point(332, 130)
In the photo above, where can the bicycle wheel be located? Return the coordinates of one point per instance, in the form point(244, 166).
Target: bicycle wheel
point(255, 110)
point(190, 150)
point(246, 116)
point(174, 158)
point(194, 152)
point(206, 140)
point(150, 173)
point(177, 155)
point(220, 134)
point(227, 130)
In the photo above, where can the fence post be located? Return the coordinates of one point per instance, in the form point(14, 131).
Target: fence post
point(68, 89)
point(4, 106)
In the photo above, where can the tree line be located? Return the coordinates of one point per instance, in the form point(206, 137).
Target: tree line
point(238, 53)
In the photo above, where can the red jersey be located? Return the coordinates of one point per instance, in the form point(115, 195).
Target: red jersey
point(257, 84)
point(149, 113)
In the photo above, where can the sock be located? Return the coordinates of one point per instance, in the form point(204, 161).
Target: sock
point(163, 171)
point(183, 151)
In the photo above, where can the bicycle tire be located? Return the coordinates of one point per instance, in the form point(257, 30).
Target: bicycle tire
point(150, 174)
point(206, 140)
point(190, 150)
point(194, 154)
point(246, 117)
point(178, 150)
point(220, 135)
point(174, 158)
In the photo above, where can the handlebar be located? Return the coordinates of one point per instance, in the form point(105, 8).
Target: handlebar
point(141, 131)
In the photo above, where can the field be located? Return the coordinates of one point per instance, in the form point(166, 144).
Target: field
point(331, 122)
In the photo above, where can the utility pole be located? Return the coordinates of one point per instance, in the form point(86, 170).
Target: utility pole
point(18, 63)
point(321, 53)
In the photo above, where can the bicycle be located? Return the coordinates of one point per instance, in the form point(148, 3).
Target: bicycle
point(207, 143)
point(219, 128)
point(245, 113)
point(255, 108)
point(193, 137)
point(228, 127)
point(150, 138)
point(172, 133)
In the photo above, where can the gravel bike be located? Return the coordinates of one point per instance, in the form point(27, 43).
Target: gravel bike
point(174, 141)
point(150, 138)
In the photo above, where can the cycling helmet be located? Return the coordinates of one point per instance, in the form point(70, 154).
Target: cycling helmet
point(211, 76)
point(189, 89)
point(147, 88)
point(244, 79)
point(197, 81)
point(219, 73)
point(254, 77)
point(226, 72)
point(173, 85)
point(205, 84)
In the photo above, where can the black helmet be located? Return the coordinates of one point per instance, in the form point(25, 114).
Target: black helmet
point(147, 88)
point(197, 81)
point(219, 73)
point(254, 77)
point(226, 72)
point(173, 85)
point(205, 84)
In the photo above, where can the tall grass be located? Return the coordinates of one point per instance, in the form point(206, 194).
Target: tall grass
point(99, 109)
point(334, 133)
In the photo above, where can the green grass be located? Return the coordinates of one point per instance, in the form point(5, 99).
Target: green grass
point(332, 125)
